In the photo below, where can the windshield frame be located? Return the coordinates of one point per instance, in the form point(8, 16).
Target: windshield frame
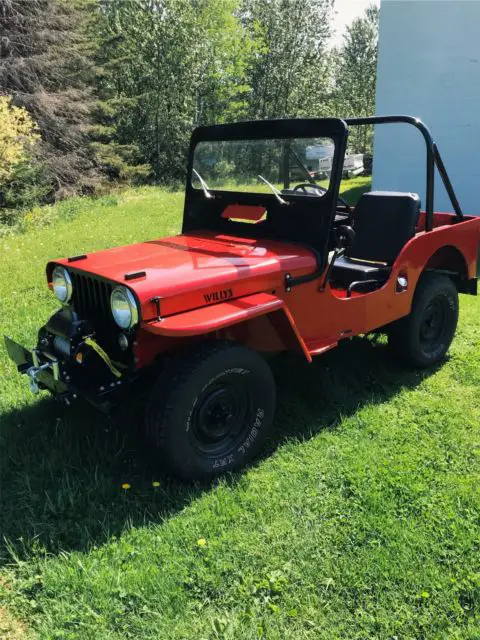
point(202, 213)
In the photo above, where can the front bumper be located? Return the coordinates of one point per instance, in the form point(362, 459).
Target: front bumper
point(65, 379)
point(43, 371)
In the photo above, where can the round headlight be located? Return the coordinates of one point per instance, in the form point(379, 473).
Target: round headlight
point(124, 307)
point(62, 284)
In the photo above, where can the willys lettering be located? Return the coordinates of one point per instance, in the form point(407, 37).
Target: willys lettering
point(218, 296)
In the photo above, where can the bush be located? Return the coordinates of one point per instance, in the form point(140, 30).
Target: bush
point(17, 137)
point(29, 184)
point(24, 182)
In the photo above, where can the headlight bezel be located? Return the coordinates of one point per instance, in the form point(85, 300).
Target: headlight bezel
point(68, 285)
point(129, 299)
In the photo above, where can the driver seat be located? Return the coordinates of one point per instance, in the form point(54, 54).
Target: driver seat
point(383, 221)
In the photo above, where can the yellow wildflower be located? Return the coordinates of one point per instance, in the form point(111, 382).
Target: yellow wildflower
point(155, 484)
point(126, 486)
point(202, 542)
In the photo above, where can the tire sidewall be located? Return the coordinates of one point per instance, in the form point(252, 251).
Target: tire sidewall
point(179, 448)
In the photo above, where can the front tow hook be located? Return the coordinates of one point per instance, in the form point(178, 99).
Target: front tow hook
point(32, 372)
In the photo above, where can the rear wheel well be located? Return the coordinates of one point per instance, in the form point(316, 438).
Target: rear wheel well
point(451, 262)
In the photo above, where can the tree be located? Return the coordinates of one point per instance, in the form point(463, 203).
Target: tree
point(167, 66)
point(45, 66)
point(227, 50)
point(152, 75)
point(356, 74)
point(289, 75)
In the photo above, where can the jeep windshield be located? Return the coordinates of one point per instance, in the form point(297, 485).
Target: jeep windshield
point(281, 166)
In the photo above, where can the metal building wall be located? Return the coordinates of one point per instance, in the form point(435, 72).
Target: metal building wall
point(429, 66)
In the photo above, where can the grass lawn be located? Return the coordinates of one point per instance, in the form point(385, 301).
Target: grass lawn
point(350, 188)
point(362, 520)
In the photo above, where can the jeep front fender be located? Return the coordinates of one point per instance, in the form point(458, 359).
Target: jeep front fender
point(217, 317)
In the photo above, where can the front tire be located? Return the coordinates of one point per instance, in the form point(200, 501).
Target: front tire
point(423, 338)
point(211, 410)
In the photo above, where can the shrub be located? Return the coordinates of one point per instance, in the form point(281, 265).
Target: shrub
point(24, 181)
point(17, 137)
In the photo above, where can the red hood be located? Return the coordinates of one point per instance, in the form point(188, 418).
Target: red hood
point(183, 269)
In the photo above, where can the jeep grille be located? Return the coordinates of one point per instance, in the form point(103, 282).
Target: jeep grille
point(91, 300)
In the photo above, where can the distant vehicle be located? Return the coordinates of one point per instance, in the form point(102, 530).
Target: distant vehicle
point(320, 168)
point(353, 165)
point(257, 269)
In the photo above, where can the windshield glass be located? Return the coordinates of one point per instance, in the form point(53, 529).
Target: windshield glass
point(262, 166)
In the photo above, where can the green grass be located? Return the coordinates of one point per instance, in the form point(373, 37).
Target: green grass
point(350, 188)
point(361, 521)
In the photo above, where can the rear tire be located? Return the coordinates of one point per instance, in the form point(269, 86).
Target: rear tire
point(422, 338)
point(211, 410)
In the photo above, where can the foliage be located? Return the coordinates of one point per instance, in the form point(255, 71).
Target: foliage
point(23, 181)
point(151, 73)
point(290, 75)
point(167, 65)
point(356, 74)
point(28, 185)
point(238, 60)
point(17, 137)
point(361, 522)
point(46, 68)
point(117, 87)
point(228, 48)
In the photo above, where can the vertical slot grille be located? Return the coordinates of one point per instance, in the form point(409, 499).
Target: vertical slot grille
point(91, 300)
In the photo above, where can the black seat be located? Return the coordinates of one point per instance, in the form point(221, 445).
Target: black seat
point(384, 221)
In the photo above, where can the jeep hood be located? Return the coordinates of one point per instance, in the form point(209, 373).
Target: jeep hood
point(191, 270)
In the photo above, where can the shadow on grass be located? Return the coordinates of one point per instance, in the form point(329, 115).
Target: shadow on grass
point(62, 469)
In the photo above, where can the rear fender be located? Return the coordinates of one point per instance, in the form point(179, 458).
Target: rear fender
point(261, 321)
point(451, 261)
point(451, 248)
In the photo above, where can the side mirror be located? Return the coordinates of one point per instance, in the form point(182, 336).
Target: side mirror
point(344, 236)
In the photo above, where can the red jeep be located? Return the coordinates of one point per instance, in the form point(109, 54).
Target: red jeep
point(264, 263)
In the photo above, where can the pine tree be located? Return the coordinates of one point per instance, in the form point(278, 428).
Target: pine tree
point(151, 79)
point(45, 65)
point(115, 142)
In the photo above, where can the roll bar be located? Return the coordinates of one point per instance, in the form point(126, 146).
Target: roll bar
point(434, 159)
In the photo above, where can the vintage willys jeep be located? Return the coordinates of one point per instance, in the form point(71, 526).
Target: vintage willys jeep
point(262, 265)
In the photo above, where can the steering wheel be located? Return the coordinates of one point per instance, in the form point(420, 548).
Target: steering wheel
point(304, 186)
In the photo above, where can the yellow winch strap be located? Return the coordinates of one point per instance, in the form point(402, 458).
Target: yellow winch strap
point(103, 356)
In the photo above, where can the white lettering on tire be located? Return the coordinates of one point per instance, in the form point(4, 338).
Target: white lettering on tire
point(253, 432)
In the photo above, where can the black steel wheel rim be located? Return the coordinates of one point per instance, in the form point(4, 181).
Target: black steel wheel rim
point(433, 324)
point(222, 415)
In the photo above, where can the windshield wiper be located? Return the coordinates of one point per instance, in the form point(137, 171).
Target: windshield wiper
point(303, 168)
point(204, 185)
point(275, 191)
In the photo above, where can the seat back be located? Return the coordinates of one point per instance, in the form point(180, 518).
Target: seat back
point(384, 221)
